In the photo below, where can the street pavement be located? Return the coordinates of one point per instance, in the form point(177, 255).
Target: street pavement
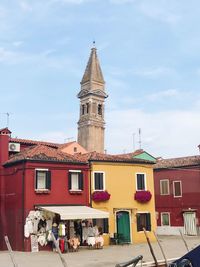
point(173, 247)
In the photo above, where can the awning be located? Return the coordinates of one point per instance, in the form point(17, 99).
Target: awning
point(76, 212)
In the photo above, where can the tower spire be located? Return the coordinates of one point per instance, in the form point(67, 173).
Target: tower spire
point(93, 72)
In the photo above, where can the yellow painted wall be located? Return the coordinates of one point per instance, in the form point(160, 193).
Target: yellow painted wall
point(120, 182)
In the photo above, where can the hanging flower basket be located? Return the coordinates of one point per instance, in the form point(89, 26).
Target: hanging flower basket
point(143, 196)
point(100, 196)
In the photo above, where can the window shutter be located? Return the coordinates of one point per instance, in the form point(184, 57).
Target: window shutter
point(69, 181)
point(148, 222)
point(101, 181)
point(138, 223)
point(105, 226)
point(96, 180)
point(36, 180)
point(80, 181)
point(48, 180)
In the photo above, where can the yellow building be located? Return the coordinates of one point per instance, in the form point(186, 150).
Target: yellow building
point(114, 182)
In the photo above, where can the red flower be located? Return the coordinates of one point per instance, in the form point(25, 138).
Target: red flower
point(142, 196)
point(100, 196)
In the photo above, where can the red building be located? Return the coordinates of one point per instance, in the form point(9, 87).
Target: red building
point(177, 194)
point(38, 176)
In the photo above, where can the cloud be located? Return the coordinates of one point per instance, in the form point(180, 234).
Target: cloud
point(73, 2)
point(163, 94)
point(25, 6)
point(163, 133)
point(122, 2)
point(154, 72)
point(163, 11)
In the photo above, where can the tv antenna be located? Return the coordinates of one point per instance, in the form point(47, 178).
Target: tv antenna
point(133, 141)
point(68, 139)
point(140, 141)
point(7, 118)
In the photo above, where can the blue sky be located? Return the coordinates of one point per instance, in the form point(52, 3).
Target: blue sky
point(149, 54)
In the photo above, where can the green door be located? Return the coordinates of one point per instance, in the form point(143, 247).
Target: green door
point(123, 226)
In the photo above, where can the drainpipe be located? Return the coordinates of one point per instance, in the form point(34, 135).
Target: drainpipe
point(23, 208)
point(90, 189)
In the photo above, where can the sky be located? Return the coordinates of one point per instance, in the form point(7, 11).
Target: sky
point(149, 55)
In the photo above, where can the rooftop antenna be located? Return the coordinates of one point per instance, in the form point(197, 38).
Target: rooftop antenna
point(133, 141)
point(68, 139)
point(7, 118)
point(140, 141)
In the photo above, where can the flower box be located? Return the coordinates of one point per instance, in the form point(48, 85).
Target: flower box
point(100, 196)
point(142, 196)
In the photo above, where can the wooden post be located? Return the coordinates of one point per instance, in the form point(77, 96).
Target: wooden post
point(150, 247)
point(184, 240)
point(161, 248)
point(59, 252)
point(10, 251)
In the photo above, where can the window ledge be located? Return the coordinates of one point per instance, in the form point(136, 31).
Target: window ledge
point(42, 191)
point(76, 192)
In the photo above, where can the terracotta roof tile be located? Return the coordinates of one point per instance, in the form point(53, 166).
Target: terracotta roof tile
point(33, 142)
point(95, 156)
point(177, 162)
point(45, 153)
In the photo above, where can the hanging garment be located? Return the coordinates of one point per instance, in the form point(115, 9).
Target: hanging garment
point(42, 240)
point(30, 226)
point(35, 225)
point(49, 225)
point(26, 231)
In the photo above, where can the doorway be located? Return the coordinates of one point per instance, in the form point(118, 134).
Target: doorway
point(190, 223)
point(123, 226)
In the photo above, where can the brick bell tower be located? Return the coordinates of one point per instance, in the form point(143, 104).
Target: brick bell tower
point(91, 124)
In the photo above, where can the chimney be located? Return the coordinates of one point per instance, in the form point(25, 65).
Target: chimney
point(4, 141)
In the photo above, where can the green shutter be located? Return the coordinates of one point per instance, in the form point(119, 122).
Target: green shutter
point(48, 180)
point(80, 181)
point(105, 226)
point(138, 223)
point(148, 221)
point(36, 179)
point(69, 181)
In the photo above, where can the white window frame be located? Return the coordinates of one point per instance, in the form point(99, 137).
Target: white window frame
point(104, 180)
point(40, 189)
point(161, 218)
point(75, 190)
point(145, 182)
point(167, 180)
point(180, 182)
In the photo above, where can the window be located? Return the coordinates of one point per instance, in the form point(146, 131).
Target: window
point(143, 221)
point(75, 180)
point(164, 187)
point(75, 149)
point(99, 109)
point(42, 180)
point(165, 219)
point(83, 109)
point(140, 181)
point(99, 181)
point(102, 225)
point(87, 107)
point(177, 186)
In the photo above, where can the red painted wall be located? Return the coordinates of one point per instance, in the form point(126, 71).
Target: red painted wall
point(190, 179)
point(21, 196)
point(4, 139)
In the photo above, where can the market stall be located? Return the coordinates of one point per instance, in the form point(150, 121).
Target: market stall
point(71, 225)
